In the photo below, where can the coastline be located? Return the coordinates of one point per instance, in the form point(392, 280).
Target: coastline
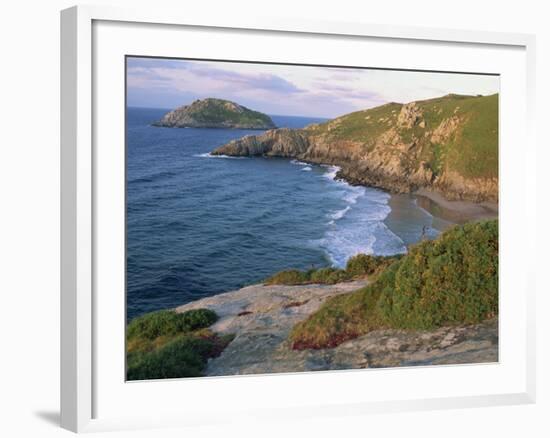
point(446, 213)
point(437, 213)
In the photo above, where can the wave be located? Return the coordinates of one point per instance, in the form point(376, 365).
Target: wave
point(354, 194)
point(340, 213)
point(298, 163)
point(209, 155)
point(340, 243)
point(306, 169)
point(331, 173)
point(358, 227)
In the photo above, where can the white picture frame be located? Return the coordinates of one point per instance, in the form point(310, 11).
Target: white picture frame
point(83, 374)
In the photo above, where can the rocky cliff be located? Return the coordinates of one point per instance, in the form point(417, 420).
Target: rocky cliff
point(448, 144)
point(215, 113)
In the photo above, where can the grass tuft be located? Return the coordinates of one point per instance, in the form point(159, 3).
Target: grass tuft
point(166, 344)
point(167, 323)
point(358, 266)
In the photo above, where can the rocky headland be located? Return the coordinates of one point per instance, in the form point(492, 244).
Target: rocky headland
point(447, 145)
point(215, 113)
point(262, 316)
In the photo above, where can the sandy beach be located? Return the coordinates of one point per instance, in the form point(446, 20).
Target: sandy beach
point(458, 212)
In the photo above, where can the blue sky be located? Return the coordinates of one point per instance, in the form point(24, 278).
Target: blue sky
point(289, 90)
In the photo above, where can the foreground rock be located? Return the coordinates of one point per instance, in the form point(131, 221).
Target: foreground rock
point(215, 113)
point(448, 144)
point(261, 318)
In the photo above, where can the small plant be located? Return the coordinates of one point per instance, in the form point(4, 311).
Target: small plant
point(291, 277)
point(358, 266)
point(363, 264)
point(329, 276)
point(166, 344)
point(168, 323)
point(185, 356)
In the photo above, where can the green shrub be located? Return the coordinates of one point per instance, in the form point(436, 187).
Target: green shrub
point(290, 277)
point(166, 344)
point(453, 279)
point(363, 264)
point(184, 356)
point(357, 266)
point(168, 323)
point(328, 276)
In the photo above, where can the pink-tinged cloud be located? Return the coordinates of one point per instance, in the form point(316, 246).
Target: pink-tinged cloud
point(284, 89)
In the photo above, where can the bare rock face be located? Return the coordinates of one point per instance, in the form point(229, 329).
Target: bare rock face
point(215, 113)
point(445, 130)
point(409, 116)
point(456, 187)
point(261, 317)
point(281, 142)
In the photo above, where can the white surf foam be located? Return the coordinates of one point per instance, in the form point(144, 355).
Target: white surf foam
point(354, 193)
point(341, 243)
point(209, 155)
point(358, 227)
point(340, 213)
point(331, 173)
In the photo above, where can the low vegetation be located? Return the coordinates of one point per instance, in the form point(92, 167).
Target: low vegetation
point(168, 323)
point(358, 266)
point(166, 344)
point(451, 280)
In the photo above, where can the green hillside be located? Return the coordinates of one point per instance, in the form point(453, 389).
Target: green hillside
point(472, 150)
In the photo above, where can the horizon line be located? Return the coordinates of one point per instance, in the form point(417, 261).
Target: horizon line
point(276, 115)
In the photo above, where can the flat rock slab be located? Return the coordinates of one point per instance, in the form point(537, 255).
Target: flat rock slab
point(261, 318)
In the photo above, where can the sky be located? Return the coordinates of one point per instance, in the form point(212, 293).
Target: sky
point(289, 89)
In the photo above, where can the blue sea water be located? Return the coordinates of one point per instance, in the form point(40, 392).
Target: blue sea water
point(199, 225)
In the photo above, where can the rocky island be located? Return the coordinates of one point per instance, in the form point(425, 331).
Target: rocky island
point(448, 145)
point(215, 113)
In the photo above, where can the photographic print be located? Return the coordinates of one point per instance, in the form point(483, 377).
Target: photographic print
point(297, 218)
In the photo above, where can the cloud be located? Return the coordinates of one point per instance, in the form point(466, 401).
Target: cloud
point(190, 76)
point(288, 89)
point(149, 63)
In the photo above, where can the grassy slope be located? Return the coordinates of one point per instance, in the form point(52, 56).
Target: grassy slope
point(167, 344)
point(451, 280)
point(214, 111)
point(472, 152)
point(364, 126)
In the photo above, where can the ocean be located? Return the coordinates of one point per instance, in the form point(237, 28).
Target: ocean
point(199, 225)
